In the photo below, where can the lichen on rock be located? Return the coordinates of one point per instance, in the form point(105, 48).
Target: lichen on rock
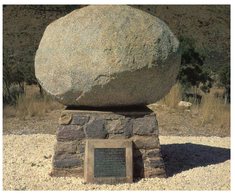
point(107, 56)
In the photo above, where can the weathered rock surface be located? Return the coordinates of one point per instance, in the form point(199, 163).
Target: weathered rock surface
point(70, 133)
point(184, 104)
point(107, 56)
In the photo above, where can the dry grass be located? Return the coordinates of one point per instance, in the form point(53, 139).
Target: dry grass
point(211, 113)
point(213, 110)
point(31, 104)
point(34, 106)
point(173, 97)
point(9, 111)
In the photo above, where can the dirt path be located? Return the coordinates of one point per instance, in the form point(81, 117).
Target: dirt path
point(177, 122)
point(171, 123)
point(33, 125)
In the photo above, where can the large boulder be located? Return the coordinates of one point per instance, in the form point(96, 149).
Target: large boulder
point(107, 56)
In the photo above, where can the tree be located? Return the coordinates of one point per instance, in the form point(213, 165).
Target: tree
point(192, 73)
point(13, 74)
point(224, 77)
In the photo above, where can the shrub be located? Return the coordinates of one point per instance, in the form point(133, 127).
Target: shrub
point(224, 77)
point(192, 73)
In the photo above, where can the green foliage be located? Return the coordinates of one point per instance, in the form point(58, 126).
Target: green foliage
point(224, 77)
point(11, 75)
point(15, 74)
point(192, 73)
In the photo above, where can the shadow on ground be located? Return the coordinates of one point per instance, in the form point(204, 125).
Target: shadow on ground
point(181, 157)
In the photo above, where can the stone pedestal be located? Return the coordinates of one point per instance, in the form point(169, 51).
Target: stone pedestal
point(138, 125)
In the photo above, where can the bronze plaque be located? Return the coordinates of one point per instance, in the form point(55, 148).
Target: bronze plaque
point(108, 161)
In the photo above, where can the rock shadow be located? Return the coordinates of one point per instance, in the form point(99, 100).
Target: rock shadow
point(181, 157)
point(129, 108)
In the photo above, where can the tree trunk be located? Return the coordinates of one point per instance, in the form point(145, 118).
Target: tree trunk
point(21, 86)
point(225, 98)
point(40, 90)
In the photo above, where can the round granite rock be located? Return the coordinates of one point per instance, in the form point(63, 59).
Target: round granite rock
point(107, 56)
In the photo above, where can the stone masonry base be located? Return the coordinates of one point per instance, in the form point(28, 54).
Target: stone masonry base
point(139, 125)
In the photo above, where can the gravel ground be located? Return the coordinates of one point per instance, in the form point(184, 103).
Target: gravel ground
point(192, 163)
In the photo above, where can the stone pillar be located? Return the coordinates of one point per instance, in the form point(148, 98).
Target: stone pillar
point(138, 125)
